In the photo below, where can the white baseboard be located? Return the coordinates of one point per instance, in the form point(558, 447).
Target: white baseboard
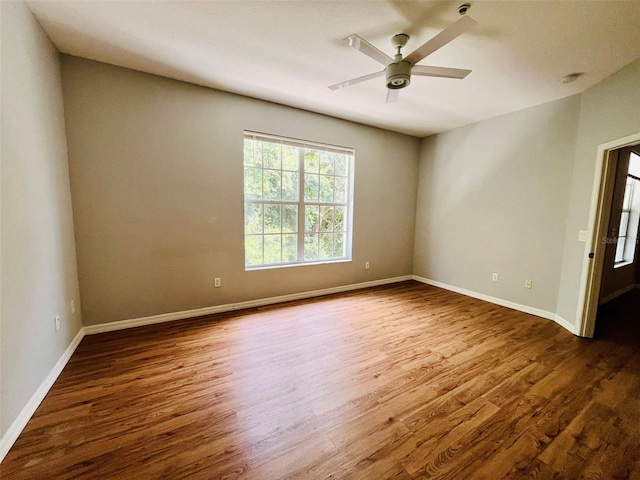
point(14, 431)
point(566, 324)
point(619, 293)
point(499, 301)
point(199, 312)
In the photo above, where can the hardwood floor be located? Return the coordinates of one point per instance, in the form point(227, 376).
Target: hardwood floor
point(402, 381)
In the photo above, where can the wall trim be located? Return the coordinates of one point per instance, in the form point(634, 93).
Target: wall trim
point(499, 301)
point(619, 293)
point(14, 431)
point(229, 307)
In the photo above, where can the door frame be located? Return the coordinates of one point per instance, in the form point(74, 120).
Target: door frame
point(598, 225)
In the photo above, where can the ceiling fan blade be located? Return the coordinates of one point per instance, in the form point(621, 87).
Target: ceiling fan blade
point(441, 39)
point(443, 72)
point(353, 81)
point(365, 47)
point(392, 95)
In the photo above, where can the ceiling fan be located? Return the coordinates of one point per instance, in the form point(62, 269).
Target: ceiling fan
point(398, 70)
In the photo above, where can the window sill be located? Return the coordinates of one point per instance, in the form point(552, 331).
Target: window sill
point(624, 263)
point(290, 265)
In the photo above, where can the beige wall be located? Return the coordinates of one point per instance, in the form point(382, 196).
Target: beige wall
point(493, 198)
point(608, 111)
point(156, 181)
point(38, 269)
point(510, 195)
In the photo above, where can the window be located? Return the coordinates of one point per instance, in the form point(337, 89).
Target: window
point(623, 231)
point(627, 231)
point(297, 201)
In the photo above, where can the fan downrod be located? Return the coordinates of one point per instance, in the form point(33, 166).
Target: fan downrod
point(398, 41)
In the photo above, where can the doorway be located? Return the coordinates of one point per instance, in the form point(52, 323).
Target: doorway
point(611, 255)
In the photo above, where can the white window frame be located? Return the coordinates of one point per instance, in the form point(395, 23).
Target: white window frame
point(301, 203)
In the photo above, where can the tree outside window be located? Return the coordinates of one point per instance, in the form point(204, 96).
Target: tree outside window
point(298, 201)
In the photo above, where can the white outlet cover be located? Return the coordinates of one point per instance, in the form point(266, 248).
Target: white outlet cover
point(582, 236)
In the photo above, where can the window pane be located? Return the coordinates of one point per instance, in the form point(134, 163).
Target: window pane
point(326, 219)
point(251, 157)
point(271, 155)
point(326, 163)
point(624, 223)
point(252, 183)
point(339, 224)
point(290, 158)
point(634, 164)
point(252, 218)
point(620, 249)
point(312, 161)
point(311, 186)
point(289, 218)
point(290, 186)
point(311, 246)
point(253, 249)
point(311, 218)
point(289, 248)
point(272, 219)
point(340, 190)
point(338, 249)
point(340, 164)
point(326, 188)
point(272, 248)
point(626, 205)
point(326, 245)
point(271, 185)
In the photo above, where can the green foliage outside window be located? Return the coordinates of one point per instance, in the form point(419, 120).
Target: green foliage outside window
point(276, 174)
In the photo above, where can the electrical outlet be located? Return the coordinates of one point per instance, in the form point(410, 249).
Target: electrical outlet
point(216, 282)
point(495, 277)
point(73, 306)
point(366, 265)
point(57, 322)
point(582, 236)
point(528, 284)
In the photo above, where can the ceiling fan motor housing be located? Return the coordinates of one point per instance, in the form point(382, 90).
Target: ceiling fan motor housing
point(398, 75)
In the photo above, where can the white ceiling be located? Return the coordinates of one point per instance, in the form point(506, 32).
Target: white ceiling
point(288, 52)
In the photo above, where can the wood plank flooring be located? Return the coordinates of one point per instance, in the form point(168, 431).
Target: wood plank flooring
point(403, 381)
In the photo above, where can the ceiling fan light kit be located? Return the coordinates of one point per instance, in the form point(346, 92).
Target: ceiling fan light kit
point(398, 70)
point(398, 75)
